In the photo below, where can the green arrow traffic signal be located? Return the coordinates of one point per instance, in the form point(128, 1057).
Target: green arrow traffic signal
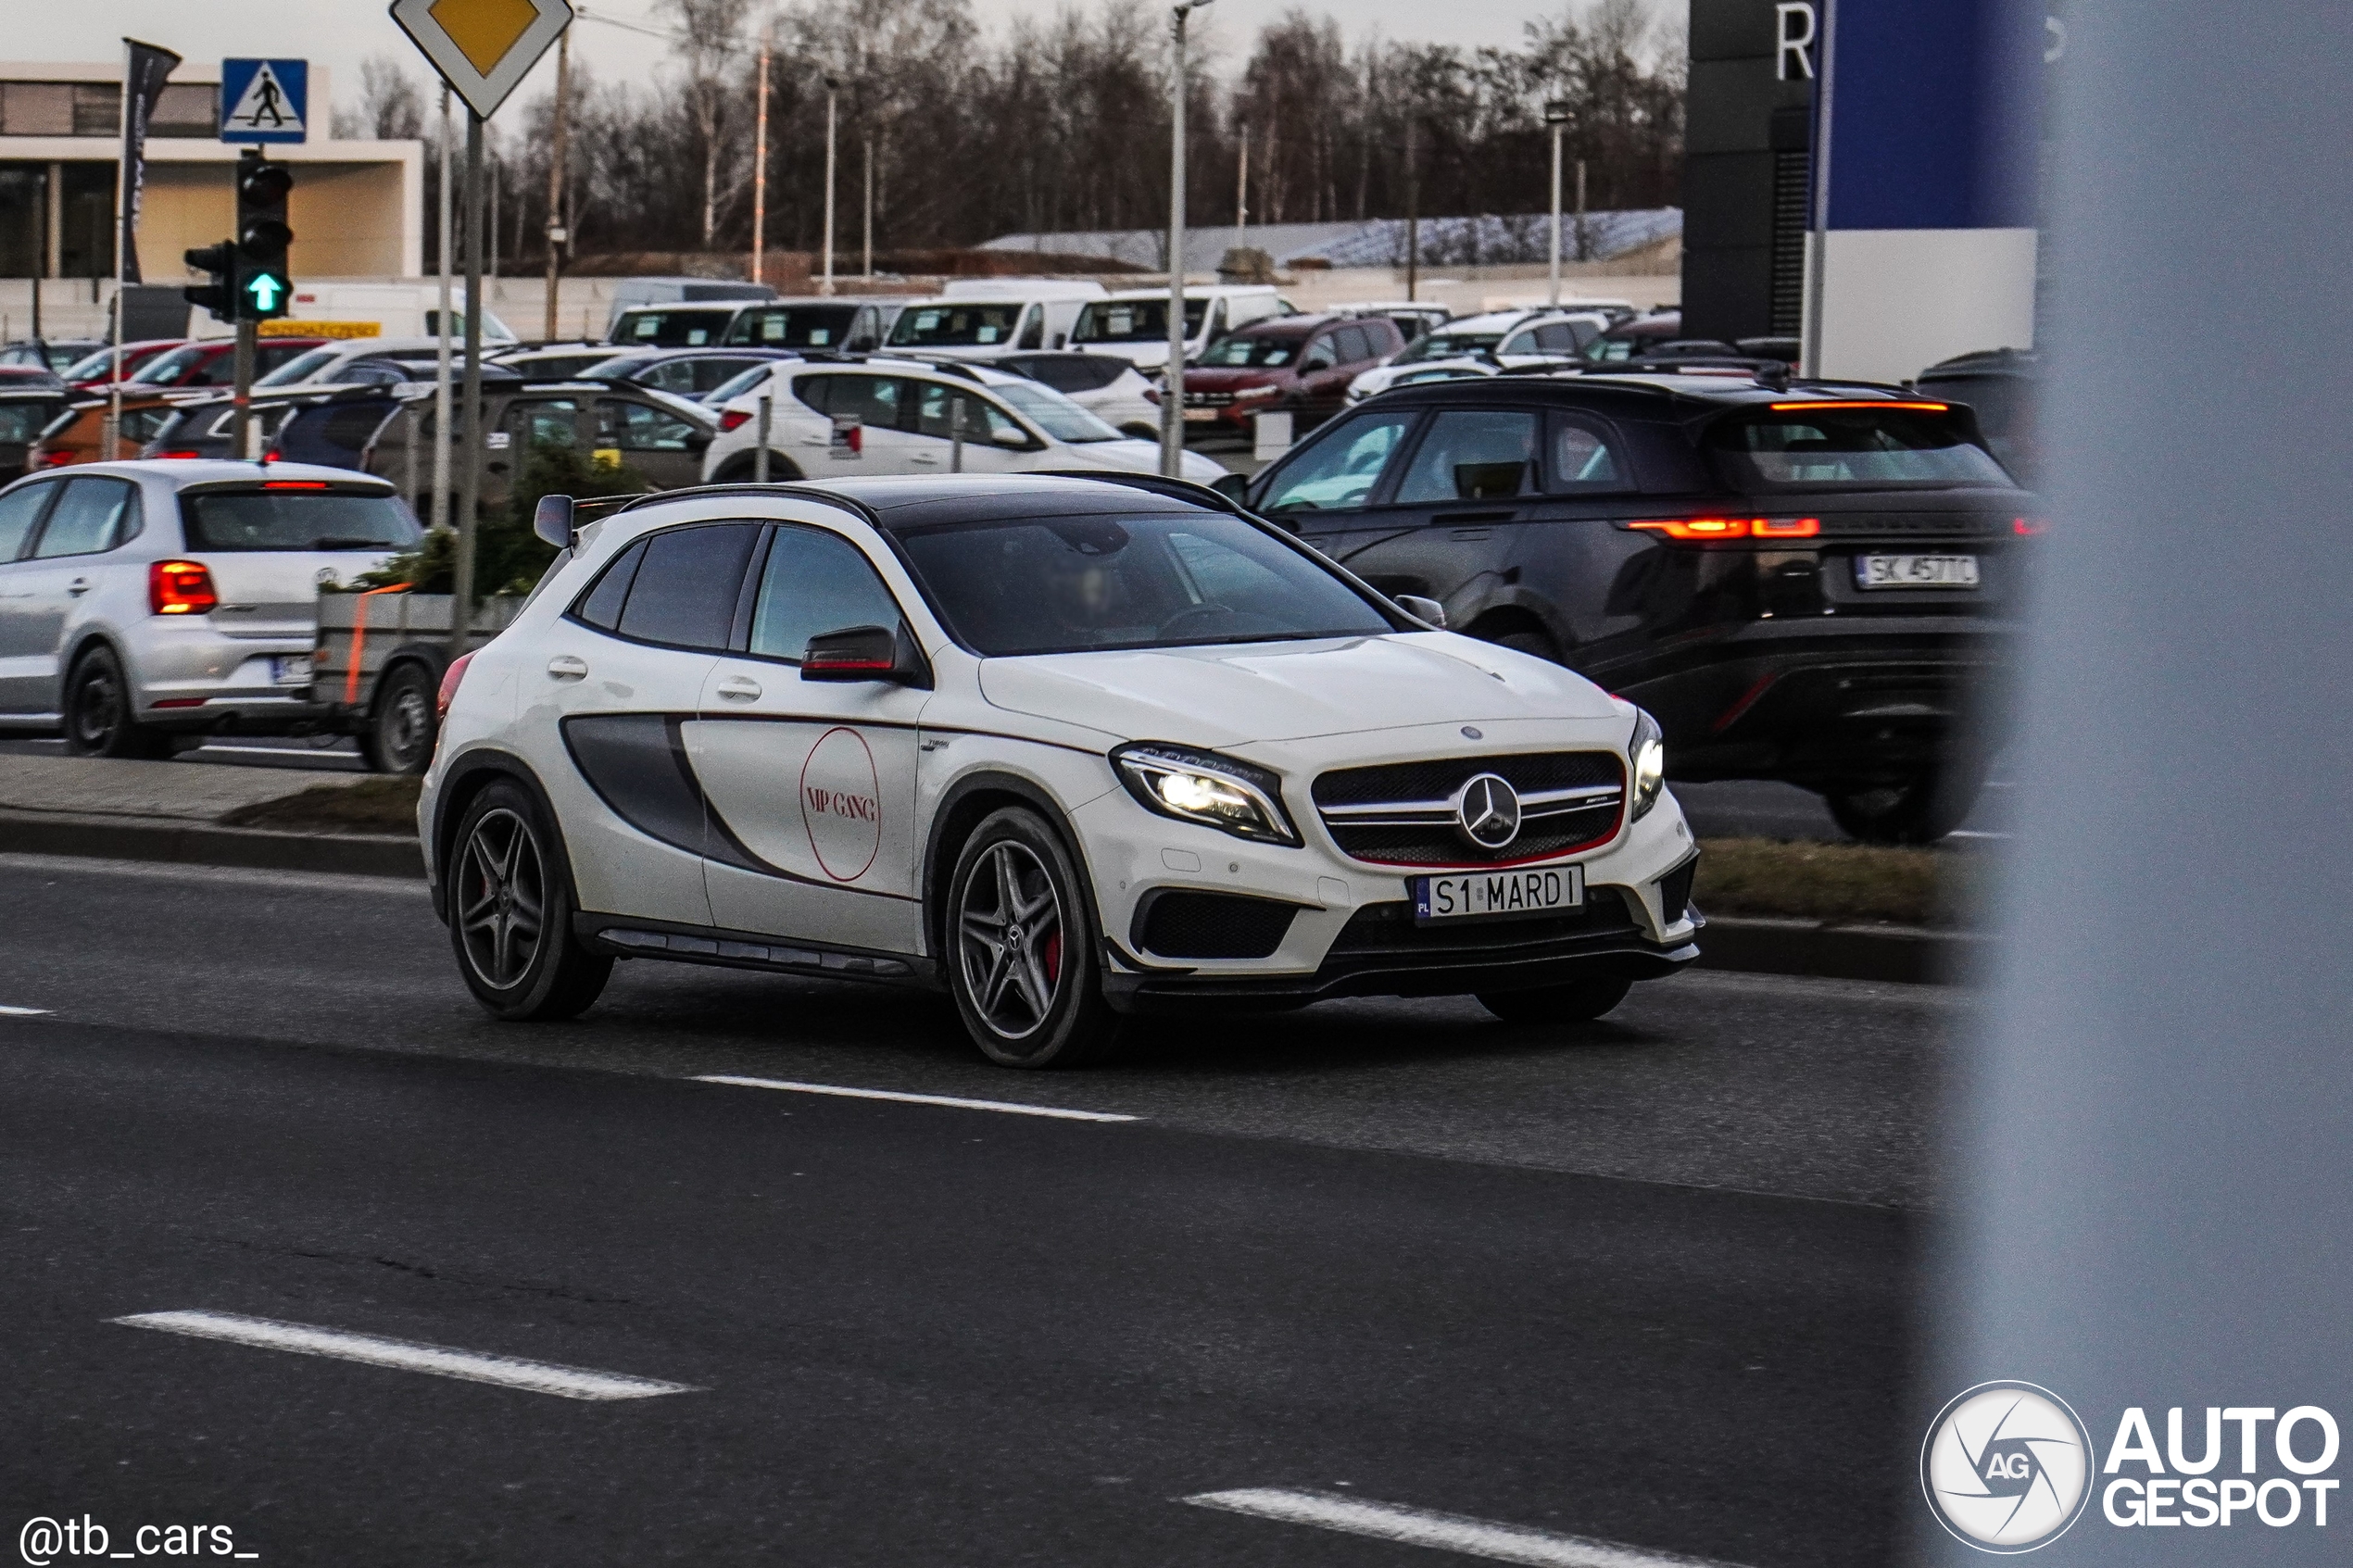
point(265, 290)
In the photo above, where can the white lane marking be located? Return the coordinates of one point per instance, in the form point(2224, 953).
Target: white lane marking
point(473, 1366)
point(1972, 833)
point(1443, 1532)
point(24, 1012)
point(1007, 1108)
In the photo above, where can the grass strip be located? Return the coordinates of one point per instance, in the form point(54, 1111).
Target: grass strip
point(383, 805)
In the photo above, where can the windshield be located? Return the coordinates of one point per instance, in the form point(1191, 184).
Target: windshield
point(296, 519)
point(671, 328)
point(1863, 448)
point(1135, 320)
point(956, 326)
point(799, 326)
point(1244, 351)
point(1164, 580)
point(1449, 345)
point(302, 367)
point(165, 369)
point(736, 385)
point(1055, 414)
point(23, 421)
point(617, 369)
point(95, 366)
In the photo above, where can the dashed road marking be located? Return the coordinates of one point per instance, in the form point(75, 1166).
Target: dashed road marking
point(24, 1012)
point(1005, 1106)
point(473, 1366)
point(1443, 1532)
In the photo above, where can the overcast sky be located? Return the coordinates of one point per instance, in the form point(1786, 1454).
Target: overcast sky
point(340, 34)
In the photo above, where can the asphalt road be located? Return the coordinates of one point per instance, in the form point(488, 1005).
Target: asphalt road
point(1631, 1281)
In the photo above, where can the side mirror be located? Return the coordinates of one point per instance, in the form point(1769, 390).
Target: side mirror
point(866, 653)
point(1235, 487)
point(1428, 611)
point(699, 440)
point(553, 520)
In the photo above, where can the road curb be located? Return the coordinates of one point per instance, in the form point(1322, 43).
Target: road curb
point(1820, 950)
point(202, 844)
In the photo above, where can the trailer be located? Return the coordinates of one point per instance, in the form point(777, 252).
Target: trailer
point(379, 662)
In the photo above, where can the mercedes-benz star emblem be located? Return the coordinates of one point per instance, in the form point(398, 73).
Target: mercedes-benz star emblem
point(1487, 812)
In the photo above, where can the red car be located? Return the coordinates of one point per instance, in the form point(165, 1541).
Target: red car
point(212, 362)
point(97, 368)
point(1300, 365)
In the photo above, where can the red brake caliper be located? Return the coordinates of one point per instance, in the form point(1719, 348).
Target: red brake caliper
point(1054, 958)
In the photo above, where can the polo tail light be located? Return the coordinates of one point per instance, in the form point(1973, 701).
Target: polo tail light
point(179, 587)
point(450, 683)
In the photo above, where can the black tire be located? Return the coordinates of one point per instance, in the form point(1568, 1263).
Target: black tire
point(1026, 970)
point(510, 905)
point(401, 732)
point(738, 470)
point(1921, 809)
point(1580, 1002)
point(97, 712)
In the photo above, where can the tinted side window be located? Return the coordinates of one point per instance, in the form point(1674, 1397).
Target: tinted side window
point(1584, 459)
point(1341, 468)
point(1354, 343)
point(1473, 454)
point(816, 392)
point(600, 605)
point(634, 427)
point(20, 509)
point(815, 583)
point(686, 589)
point(93, 516)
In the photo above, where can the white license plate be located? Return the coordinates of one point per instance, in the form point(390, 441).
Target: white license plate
point(1498, 894)
point(1202, 416)
point(1915, 571)
point(291, 670)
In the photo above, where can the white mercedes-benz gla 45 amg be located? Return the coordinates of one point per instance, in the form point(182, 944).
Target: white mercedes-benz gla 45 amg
point(1073, 749)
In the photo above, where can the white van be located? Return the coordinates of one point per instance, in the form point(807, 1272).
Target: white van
point(1133, 323)
point(973, 318)
point(356, 310)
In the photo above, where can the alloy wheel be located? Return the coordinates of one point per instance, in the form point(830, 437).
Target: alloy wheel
point(1010, 943)
point(502, 893)
point(408, 728)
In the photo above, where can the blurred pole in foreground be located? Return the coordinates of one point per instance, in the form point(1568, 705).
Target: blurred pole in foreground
point(2149, 1207)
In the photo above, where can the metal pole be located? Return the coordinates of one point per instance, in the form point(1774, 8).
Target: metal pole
point(114, 334)
point(956, 434)
point(767, 422)
point(760, 166)
point(441, 405)
point(1172, 398)
point(469, 473)
point(41, 256)
point(1818, 242)
point(556, 234)
point(1583, 252)
point(1413, 211)
point(243, 432)
point(1241, 196)
point(870, 205)
point(1556, 215)
point(833, 96)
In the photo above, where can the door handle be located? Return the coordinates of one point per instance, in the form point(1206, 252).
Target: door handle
point(567, 667)
point(739, 688)
point(926, 458)
point(78, 586)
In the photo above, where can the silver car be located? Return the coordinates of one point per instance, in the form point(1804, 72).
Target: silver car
point(142, 602)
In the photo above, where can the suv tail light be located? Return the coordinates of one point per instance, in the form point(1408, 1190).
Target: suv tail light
point(181, 455)
point(1734, 527)
point(179, 587)
point(450, 680)
point(734, 418)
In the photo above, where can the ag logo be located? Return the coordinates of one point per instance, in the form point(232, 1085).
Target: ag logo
point(1487, 812)
point(2006, 1467)
point(841, 804)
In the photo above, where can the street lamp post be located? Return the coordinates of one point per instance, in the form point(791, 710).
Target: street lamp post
point(1172, 396)
point(1556, 116)
point(760, 162)
point(833, 99)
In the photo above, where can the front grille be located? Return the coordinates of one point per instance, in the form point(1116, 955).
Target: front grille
point(1212, 925)
point(1387, 930)
point(1209, 400)
point(1403, 814)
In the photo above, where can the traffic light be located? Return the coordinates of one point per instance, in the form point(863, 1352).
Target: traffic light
point(220, 296)
point(265, 288)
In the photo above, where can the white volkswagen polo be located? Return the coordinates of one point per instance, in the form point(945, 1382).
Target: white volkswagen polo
point(1073, 749)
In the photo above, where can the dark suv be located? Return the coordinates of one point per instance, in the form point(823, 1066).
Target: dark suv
point(1801, 584)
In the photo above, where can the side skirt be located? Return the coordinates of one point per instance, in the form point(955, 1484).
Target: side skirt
point(624, 936)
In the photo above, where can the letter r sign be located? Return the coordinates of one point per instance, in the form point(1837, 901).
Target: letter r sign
point(1794, 58)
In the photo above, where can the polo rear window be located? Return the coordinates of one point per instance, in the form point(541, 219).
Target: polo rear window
point(296, 519)
point(1851, 445)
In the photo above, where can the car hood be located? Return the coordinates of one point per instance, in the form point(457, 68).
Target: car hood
point(1235, 379)
point(1238, 694)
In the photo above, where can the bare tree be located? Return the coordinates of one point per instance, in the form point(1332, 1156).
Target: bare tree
point(392, 106)
point(709, 44)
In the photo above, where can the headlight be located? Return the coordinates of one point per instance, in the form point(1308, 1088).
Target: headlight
point(1201, 786)
point(1250, 393)
point(1648, 749)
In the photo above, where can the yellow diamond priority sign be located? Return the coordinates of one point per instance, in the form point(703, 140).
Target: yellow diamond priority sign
point(483, 48)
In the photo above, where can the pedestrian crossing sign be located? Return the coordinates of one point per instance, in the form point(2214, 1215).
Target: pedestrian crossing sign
point(265, 100)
